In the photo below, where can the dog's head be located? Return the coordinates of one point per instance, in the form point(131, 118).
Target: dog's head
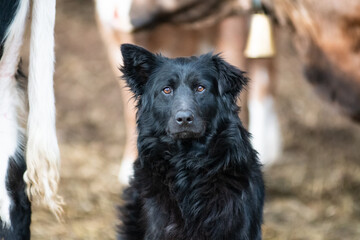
point(181, 95)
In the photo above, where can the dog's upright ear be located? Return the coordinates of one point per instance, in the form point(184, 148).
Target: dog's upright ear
point(137, 66)
point(231, 80)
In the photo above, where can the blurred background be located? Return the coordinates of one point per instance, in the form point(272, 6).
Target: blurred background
point(313, 190)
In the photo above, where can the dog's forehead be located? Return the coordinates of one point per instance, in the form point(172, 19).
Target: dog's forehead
point(185, 68)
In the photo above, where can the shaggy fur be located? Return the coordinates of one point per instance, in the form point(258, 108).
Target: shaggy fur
point(197, 176)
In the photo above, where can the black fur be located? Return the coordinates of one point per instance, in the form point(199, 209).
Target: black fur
point(195, 181)
point(8, 9)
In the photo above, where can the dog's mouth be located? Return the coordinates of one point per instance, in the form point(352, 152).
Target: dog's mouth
point(186, 135)
point(194, 131)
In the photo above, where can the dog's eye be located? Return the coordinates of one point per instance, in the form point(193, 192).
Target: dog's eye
point(200, 88)
point(167, 90)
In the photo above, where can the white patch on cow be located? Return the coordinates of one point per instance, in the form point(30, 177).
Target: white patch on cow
point(115, 13)
point(42, 151)
point(126, 170)
point(127, 161)
point(264, 127)
point(10, 103)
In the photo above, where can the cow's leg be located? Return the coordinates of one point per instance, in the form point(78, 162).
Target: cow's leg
point(231, 42)
point(10, 103)
point(263, 123)
point(112, 40)
point(15, 210)
point(111, 14)
point(8, 140)
point(130, 150)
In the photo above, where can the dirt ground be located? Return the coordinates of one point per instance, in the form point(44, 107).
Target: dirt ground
point(312, 193)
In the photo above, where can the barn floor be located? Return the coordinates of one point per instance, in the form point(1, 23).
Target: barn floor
point(312, 193)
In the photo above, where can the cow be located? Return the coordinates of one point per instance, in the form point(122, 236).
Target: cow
point(29, 158)
point(326, 34)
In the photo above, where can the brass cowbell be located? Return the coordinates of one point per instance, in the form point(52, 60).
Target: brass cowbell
point(260, 42)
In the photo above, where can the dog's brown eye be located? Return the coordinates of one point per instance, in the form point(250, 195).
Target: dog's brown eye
point(167, 90)
point(200, 88)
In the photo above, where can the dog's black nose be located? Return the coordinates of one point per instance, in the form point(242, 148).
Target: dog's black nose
point(184, 117)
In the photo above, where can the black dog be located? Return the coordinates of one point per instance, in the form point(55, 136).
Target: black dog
point(197, 176)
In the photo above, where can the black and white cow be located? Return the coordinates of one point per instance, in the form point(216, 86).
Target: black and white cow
point(29, 158)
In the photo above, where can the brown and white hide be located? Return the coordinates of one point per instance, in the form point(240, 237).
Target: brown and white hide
point(327, 38)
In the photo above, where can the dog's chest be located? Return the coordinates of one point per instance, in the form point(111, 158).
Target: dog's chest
point(163, 214)
point(169, 183)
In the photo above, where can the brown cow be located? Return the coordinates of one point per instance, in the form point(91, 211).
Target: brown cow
point(327, 36)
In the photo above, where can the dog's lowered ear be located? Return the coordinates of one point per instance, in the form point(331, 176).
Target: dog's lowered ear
point(137, 66)
point(231, 80)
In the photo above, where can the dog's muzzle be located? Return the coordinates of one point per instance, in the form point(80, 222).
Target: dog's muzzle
point(185, 124)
